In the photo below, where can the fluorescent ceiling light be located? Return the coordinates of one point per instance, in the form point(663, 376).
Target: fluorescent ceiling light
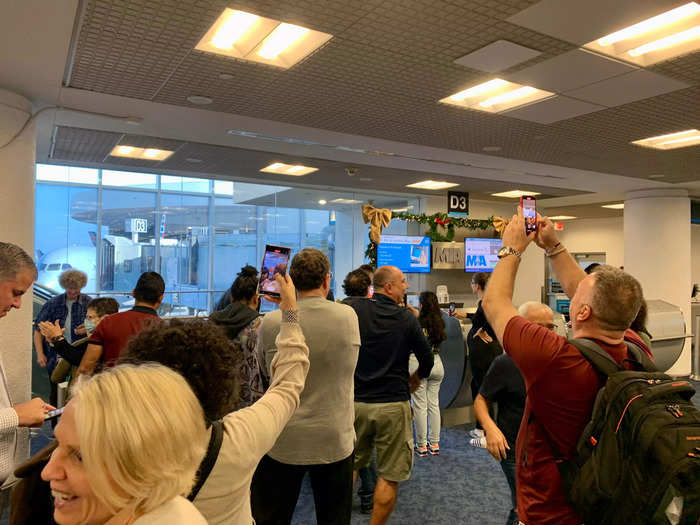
point(663, 43)
point(496, 95)
point(345, 201)
point(399, 210)
point(512, 194)
point(296, 170)
point(662, 37)
point(562, 217)
point(323, 202)
point(432, 185)
point(680, 139)
point(619, 206)
point(650, 24)
point(243, 35)
point(133, 152)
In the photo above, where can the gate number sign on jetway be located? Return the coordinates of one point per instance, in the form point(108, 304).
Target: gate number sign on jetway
point(139, 225)
point(457, 204)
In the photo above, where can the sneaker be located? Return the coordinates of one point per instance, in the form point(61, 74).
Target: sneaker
point(477, 433)
point(434, 449)
point(478, 442)
point(421, 452)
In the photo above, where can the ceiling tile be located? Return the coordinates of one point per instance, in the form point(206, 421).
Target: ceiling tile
point(554, 109)
point(580, 22)
point(497, 56)
point(571, 70)
point(627, 88)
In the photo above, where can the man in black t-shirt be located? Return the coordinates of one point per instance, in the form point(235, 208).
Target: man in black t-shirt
point(504, 385)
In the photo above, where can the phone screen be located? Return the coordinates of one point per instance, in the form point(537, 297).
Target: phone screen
point(275, 260)
point(529, 205)
point(452, 308)
point(54, 413)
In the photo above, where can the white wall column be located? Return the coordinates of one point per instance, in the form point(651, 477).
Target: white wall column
point(17, 220)
point(657, 251)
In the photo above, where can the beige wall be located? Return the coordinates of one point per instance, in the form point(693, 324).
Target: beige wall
point(596, 235)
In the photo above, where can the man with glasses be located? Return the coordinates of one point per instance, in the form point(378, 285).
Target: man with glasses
point(504, 385)
point(389, 334)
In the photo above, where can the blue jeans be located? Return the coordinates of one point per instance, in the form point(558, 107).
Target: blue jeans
point(508, 467)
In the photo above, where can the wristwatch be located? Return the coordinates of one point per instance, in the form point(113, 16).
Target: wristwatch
point(507, 250)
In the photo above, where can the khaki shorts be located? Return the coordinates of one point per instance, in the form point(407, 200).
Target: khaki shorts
point(386, 426)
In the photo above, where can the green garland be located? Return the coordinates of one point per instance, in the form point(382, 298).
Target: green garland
point(434, 221)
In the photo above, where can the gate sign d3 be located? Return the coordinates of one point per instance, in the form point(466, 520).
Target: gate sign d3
point(457, 204)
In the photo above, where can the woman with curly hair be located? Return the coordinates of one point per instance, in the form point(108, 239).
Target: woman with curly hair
point(203, 354)
point(240, 319)
point(426, 402)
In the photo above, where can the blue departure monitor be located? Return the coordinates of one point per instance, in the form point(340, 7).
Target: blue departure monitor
point(481, 255)
point(410, 254)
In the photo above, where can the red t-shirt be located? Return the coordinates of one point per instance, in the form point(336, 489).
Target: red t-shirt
point(114, 331)
point(561, 389)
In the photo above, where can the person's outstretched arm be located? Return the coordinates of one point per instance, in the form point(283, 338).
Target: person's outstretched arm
point(256, 428)
point(567, 270)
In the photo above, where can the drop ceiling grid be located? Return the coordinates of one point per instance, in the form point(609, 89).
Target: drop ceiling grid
point(381, 76)
point(74, 144)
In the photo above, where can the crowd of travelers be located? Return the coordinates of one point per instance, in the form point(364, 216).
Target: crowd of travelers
point(218, 421)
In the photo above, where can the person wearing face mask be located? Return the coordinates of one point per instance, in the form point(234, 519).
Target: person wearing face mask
point(129, 444)
point(97, 309)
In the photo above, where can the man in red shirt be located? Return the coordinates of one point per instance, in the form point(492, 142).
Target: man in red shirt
point(114, 332)
point(561, 384)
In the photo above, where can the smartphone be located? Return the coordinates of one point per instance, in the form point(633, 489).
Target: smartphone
point(529, 205)
point(275, 260)
point(451, 309)
point(54, 413)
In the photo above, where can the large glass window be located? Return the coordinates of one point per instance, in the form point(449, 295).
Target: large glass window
point(197, 233)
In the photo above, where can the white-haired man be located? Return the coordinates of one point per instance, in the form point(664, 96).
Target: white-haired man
point(504, 385)
point(17, 273)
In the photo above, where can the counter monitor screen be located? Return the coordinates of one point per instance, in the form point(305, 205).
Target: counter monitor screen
point(481, 255)
point(410, 254)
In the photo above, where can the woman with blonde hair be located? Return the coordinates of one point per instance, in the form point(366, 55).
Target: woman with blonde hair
point(129, 444)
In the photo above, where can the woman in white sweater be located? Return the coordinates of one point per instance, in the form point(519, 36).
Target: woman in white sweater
point(112, 465)
point(207, 359)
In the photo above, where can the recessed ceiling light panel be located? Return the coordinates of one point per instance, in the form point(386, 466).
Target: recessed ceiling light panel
point(132, 152)
point(680, 139)
point(618, 206)
point(243, 35)
point(661, 37)
point(345, 201)
point(432, 185)
point(199, 100)
point(514, 194)
point(563, 217)
point(296, 170)
point(496, 95)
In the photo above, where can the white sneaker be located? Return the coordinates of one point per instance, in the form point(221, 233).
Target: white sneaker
point(477, 433)
point(478, 442)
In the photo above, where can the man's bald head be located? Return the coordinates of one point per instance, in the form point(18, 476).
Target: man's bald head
point(539, 313)
point(390, 281)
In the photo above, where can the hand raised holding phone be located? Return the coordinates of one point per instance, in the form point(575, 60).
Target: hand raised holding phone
point(288, 293)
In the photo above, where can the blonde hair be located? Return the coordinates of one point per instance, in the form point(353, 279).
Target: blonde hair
point(72, 279)
point(142, 436)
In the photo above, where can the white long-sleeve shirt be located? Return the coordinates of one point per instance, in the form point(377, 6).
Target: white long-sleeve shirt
point(9, 421)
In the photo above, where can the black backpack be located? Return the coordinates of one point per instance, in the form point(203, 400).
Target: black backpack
point(638, 459)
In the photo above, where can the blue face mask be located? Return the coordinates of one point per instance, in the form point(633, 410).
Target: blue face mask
point(89, 326)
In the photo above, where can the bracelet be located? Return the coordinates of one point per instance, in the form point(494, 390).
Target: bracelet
point(558, 248)
point(290, 316)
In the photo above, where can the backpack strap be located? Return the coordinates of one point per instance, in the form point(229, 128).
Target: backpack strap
point(641, 357)
point(217, 436)
point(599, 358)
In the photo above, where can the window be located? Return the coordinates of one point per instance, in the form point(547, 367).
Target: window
point(129, 179)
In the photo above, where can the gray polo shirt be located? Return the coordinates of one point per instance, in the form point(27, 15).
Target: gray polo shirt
point(322, 428)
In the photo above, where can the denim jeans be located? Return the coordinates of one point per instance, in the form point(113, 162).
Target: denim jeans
point(426, 403)
point(508, 467)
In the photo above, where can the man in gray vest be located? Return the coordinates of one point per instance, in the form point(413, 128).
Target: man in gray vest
point(17, 273)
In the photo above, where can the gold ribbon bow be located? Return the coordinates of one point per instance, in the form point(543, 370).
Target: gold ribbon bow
point(378, 218)
point(499, 223)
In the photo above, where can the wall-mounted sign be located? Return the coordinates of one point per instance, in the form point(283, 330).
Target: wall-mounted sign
point(136, 225)
point(448, 255)
point(457, 204)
